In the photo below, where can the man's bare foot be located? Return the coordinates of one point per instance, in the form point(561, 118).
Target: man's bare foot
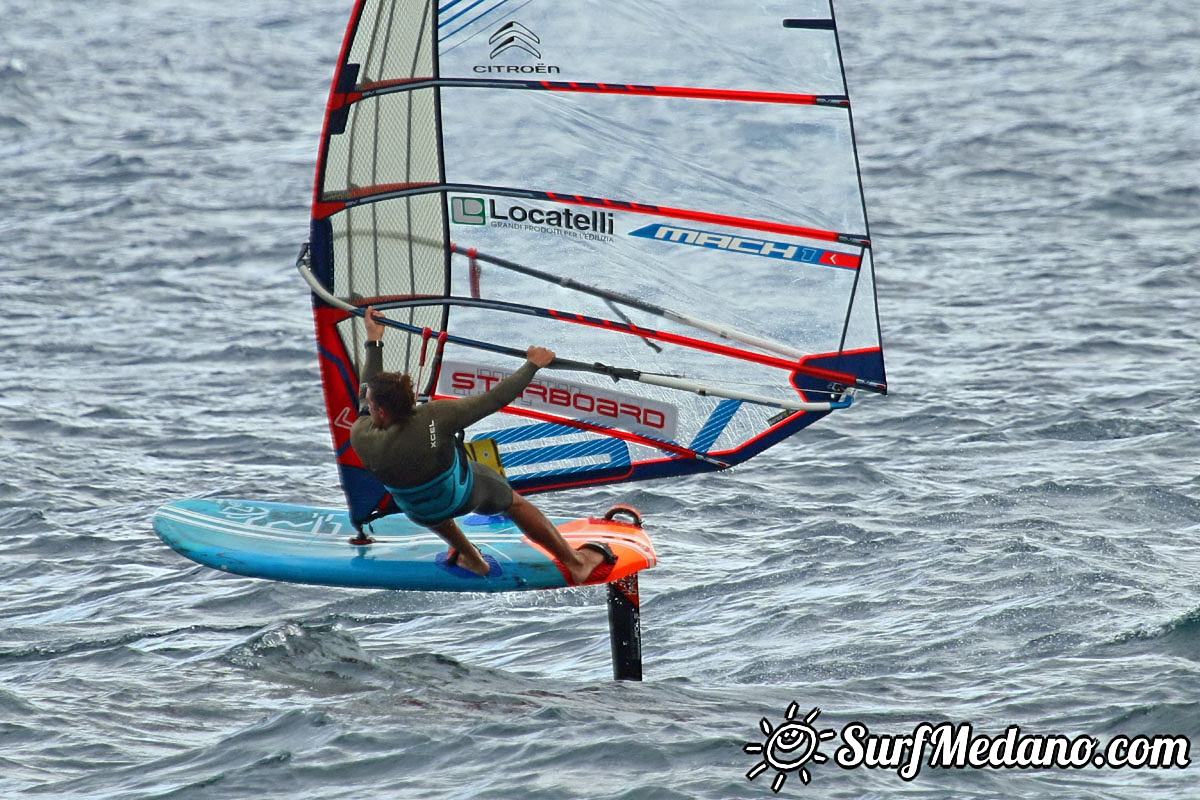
point(585, 562)
point(471, 559)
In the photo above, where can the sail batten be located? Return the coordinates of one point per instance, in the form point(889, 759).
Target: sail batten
point(380, 88)
point(672, 202)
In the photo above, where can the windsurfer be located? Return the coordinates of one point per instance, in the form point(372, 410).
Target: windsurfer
point(413, 451)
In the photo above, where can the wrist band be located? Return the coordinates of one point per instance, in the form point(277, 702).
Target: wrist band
point(374, 343)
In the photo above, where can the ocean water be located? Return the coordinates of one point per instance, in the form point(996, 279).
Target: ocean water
point(1012, 538)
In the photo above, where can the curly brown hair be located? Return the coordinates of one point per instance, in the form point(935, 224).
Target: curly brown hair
point(393, 392)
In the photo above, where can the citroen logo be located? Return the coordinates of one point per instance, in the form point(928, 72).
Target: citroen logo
point(514, 34)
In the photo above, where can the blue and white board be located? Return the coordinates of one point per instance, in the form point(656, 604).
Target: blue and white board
point(302, 544)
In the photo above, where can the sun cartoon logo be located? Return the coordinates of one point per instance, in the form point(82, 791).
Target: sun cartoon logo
point(789, 747)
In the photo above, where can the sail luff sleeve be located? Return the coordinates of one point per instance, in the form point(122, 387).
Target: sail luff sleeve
point(394, 247)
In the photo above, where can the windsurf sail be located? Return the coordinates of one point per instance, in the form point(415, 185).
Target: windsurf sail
point(667, 194)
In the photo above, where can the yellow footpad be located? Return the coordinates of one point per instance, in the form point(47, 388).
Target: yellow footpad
point(485, 452)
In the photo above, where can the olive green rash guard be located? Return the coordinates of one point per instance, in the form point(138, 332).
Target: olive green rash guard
point(418, 449)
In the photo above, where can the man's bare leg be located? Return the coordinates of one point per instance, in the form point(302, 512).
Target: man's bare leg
point(533, 523)
point(469, 556)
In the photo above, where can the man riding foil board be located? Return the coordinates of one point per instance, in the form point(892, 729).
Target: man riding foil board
point(413, 451)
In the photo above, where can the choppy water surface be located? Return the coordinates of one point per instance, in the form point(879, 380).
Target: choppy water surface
point(1011, 538)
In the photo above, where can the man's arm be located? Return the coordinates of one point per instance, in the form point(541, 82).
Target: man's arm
point(373, 363)
point(469, 410)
